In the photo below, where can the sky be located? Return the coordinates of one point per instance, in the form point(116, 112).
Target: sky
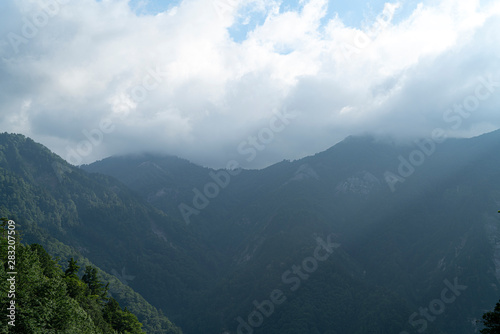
point(253, 81)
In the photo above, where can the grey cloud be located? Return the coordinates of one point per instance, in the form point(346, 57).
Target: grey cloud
point(213, 95)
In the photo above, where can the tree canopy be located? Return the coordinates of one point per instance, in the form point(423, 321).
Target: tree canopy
point(48, 300)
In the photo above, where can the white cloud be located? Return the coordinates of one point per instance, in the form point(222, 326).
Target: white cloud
point(177, 81)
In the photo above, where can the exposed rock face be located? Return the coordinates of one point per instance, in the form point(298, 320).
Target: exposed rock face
point(361, 183)
point(305, 172)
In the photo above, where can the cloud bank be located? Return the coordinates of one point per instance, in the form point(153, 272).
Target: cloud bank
point(91, 79)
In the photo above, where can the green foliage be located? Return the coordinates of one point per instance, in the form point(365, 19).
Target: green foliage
point(41, 299)
point(64, 209)
point(397, 248)
point(49, 266)
point(95, 286)
point(72, 271)
point(491, 321)
point(48, 300)
point(121, 320)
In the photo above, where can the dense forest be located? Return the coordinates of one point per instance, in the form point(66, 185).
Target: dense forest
point(57, 212)
point(396, 251)
point(43, 298)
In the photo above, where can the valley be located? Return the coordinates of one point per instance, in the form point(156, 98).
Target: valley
point(318, 245)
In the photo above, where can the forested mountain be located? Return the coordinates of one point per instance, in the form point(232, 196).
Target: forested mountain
point(411, 220)
point(75, 215)
point(366, 237)
point(42, 298)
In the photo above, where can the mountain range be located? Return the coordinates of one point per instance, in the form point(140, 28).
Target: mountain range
point(369, 236)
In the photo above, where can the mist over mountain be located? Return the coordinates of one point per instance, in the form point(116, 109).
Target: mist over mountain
point(411, 221)
point(207, 80)
point(365, 237)
point(68, 212)
point(249, 167)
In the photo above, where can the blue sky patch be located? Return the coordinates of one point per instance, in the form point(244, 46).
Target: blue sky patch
point(152, 7)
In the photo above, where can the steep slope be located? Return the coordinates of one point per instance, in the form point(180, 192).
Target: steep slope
point(74, 214)
point(365, 237)
point(161, 180)
point(43, 298)
point(411, 221)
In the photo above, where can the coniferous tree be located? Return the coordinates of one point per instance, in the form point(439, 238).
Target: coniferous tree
point(72, 270)
point(95, 285)
point(491, 321)
point(76, 288)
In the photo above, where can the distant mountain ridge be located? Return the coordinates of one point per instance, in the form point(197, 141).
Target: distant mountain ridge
point(431, 200)
point(62, 208)
point(250, 258)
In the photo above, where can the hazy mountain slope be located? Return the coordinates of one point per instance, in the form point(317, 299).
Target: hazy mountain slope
point(435, 227)
point(94, 216)
point(257, 239)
